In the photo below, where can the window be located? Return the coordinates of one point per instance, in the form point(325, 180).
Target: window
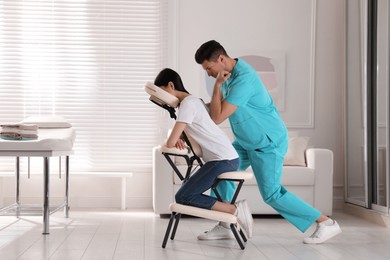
point(87, 61)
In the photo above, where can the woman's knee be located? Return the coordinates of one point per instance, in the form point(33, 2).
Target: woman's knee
point(182, 197)
point(179, 198)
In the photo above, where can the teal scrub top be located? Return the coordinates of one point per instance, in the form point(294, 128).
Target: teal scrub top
point(256, 122)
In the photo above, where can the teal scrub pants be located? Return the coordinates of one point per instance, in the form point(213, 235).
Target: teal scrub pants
point(226, 190)
point(267, 165)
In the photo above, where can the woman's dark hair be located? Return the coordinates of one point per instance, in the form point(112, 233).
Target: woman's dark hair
point(209, 51)
point(167, 75)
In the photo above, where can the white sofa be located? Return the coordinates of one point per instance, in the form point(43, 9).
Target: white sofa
point(308, 173)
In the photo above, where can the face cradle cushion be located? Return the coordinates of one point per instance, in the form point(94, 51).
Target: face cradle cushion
point(161, 97)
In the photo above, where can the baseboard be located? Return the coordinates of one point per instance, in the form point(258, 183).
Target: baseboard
point(87, 202)
point(368, 214)
point(338, 203)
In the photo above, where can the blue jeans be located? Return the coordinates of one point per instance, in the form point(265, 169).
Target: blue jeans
point(191, 192)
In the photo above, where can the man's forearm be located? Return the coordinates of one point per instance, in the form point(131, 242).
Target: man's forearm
point(216, 104)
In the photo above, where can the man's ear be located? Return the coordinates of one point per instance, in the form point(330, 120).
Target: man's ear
point(222, 58)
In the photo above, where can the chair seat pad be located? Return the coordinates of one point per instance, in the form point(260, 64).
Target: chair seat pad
point(236, 175)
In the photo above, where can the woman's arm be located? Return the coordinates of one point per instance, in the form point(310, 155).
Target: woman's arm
point(174, 138)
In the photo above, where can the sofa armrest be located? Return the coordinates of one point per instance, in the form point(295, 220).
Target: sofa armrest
point(162, 183)
point(321, 160)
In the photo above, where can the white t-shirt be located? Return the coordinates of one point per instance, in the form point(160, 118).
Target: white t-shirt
point(214, 143)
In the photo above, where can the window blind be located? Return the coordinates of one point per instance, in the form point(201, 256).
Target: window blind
point(87, 61)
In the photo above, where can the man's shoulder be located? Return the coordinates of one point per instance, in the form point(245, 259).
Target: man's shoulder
point(242, 64)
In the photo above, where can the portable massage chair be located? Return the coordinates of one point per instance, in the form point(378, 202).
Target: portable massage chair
point(192, 154)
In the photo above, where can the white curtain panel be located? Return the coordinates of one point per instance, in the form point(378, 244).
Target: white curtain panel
point(87, 61)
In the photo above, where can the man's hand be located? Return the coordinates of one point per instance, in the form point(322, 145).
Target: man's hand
point(222, 77)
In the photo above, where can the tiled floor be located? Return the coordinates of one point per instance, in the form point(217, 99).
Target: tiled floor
point(138, 235)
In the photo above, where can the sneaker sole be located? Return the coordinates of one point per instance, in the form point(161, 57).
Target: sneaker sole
point(216, 238)
point(322, 241)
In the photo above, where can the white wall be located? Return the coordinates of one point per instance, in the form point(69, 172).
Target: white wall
point(310, 34)
point(285, 28)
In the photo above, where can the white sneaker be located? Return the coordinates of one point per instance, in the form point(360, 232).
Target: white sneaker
point(217, 232)
point(244, 217)
point(324, 231)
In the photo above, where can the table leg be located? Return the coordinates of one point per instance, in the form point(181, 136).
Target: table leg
point(17, 200)
point(46, 209)
point(67, 187)
point(123, 193)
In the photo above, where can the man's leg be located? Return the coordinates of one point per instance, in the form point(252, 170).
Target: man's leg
point(227, 188)
point(267, 165)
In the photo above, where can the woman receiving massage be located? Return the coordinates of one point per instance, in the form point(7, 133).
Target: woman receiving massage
point(219, 155)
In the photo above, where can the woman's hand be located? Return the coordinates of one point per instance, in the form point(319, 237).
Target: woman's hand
point(180, 144)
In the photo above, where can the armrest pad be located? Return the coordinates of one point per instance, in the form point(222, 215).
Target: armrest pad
point(174, 150)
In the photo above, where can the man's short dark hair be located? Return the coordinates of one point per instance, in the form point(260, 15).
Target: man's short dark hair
point(209, 51)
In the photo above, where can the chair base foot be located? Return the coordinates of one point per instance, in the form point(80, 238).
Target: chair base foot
point(174, 223)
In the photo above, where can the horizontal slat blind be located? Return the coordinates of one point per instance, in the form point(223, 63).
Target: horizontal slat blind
point(87, 61)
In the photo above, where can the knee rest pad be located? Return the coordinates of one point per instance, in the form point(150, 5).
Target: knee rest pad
point(203, 213)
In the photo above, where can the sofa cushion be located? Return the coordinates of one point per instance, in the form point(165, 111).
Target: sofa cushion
point(296, 151)
point(292, 176)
